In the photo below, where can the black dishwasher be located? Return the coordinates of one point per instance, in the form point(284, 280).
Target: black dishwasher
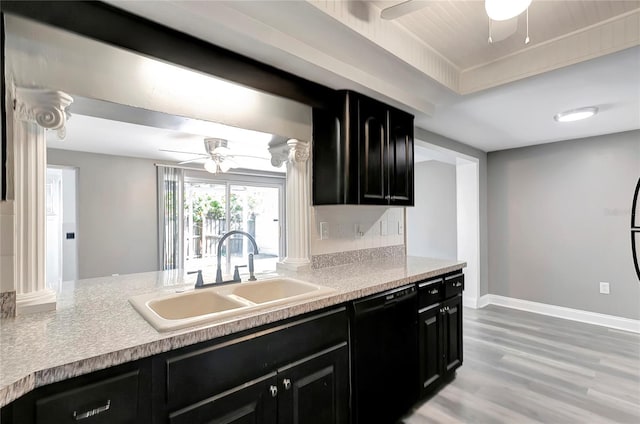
point(384, 355)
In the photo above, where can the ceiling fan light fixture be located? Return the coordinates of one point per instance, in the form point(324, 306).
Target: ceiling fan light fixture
point(501, 10)
point(224, 166)
point(211, 165)
point(576, 114)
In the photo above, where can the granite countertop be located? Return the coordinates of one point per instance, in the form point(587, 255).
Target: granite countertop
point(95, 327)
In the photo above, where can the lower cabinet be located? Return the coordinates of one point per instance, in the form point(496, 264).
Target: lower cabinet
point(295, 372)
point(452, 333)
point(314, 390)
point(118, 395)
point(440, 331)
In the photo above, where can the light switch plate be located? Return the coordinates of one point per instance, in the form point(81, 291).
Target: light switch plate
point(383, 227)
point(324, 230)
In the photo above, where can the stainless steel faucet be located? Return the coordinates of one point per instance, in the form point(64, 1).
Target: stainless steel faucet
point(236, 275)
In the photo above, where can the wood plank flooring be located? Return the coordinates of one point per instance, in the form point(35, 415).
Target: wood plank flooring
point(521, 367)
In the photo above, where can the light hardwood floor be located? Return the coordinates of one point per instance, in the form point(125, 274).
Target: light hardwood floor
point(521, 367)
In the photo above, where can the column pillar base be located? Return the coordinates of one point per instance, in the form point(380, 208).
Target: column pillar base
point(40, 301)
point(296, 265)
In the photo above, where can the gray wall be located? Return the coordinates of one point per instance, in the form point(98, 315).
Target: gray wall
point(432, 222)
point(117, 212)
point(559, 219)
point(447, 143)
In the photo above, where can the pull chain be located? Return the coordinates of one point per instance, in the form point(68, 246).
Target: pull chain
point(490, 39)
point(527, 40)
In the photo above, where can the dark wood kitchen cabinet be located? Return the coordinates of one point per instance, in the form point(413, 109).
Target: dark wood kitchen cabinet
point(118, 395)
point(313, 390)
point(362, 153)
point(440, 330)
point(290, 373)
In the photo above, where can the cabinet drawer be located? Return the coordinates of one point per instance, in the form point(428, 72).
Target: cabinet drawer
point(453, 285)
point(430, 292)
point(111, 401)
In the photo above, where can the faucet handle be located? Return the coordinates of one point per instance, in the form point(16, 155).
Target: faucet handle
point(199, 280)
point(236, 273)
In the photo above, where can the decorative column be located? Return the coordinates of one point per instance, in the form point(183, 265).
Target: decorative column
point(34, 111)
point(296, 153)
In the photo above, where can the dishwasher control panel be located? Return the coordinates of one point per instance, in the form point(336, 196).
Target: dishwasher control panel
point(400, 293)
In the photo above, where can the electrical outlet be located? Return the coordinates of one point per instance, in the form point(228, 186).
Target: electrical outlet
point(324, 230)
point(400, 228)
point(604, 288)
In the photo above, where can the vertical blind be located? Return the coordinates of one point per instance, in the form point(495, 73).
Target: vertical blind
point(170, 216)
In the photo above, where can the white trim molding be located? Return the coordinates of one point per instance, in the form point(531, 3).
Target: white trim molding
point(297, 208)
point(34, 110)
point(579, 315)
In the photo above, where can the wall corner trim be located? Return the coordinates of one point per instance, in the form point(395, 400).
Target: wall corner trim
point(587, 317)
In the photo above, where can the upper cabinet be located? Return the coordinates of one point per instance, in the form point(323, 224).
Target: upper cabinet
point(362, 153)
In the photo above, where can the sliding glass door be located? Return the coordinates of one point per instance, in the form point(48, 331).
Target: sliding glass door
point(212, 208)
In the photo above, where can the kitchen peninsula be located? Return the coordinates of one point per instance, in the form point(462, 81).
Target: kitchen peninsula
point(96, 328)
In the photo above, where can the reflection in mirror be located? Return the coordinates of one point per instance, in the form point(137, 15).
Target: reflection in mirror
point(131, 190)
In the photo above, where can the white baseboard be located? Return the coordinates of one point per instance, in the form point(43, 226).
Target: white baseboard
point(594, 318)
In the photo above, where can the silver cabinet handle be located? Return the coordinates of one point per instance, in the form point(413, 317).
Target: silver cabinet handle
point(274, 391)
point(90, 413)
point(457, 284)
point(287, 383)
point(434, 291)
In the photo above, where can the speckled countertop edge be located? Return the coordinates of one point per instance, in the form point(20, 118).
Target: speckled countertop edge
point(36, 350)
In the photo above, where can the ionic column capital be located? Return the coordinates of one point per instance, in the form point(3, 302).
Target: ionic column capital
point(279, 154)
point(47, 108)
point(298, 150)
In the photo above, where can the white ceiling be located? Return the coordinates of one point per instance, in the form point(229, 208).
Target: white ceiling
point(115, 137)
point(441, 23)
point(346, 45)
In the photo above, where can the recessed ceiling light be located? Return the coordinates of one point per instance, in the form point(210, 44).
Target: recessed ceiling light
point(576, 114)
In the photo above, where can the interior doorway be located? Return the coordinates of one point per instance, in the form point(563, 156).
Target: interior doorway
point(445, 222)
point(61, 226)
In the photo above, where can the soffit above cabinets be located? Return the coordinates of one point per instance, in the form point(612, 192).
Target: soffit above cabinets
point(502, 103)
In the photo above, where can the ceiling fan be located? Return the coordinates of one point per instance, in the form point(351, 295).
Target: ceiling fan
point(218, 158)
point(501, 14)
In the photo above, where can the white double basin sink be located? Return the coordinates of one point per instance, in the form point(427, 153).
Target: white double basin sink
point(166, 312)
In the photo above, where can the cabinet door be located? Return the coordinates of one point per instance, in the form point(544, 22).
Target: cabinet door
point(373, 152)
point(251, 403)
point(431, 347)
point(452, 333)
point(400, 158)
point(315, 390)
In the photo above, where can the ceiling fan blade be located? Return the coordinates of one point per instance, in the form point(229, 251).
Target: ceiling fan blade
point(402, 9)
point(192, 160)
point(182, 151)
point(246, 156)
